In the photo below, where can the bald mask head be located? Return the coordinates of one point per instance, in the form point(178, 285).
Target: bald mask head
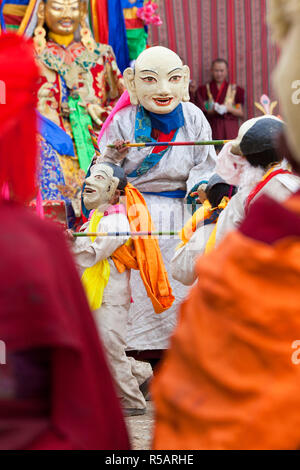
point(160, 81)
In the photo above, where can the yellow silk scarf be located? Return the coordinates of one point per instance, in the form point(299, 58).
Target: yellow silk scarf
point(203, 213)
point(212, 239)
point(95, 278)
point(191, 226)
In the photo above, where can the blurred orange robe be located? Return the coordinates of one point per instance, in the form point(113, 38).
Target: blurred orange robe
point(228, 380)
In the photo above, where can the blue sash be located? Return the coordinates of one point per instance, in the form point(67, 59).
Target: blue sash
point(143, 131)
point(178, 193)
point(214, 217)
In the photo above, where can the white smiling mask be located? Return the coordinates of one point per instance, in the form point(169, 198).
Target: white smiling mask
point(100, 187)
point(159, 82)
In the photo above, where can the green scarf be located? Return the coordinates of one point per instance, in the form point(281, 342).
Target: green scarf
point(80, 120)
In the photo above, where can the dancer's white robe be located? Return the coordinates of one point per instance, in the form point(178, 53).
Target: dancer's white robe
point(179, 168)
point(112, 317)
point(280, 188)
point(184, 261)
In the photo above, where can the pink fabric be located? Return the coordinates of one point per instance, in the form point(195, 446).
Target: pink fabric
point(116, 209)
point(230, 166)
point(91, 214)
point(121, 103)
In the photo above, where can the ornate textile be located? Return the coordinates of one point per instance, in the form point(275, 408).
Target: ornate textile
point(73, 75)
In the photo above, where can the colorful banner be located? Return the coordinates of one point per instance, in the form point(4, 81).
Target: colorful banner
point(117, 33)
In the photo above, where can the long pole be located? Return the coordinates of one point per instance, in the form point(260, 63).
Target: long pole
point(172, 144)
point(122, 234)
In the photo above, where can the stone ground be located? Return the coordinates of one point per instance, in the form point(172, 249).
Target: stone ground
point(140, 429)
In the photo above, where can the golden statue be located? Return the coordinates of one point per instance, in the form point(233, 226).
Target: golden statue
point(80, 83)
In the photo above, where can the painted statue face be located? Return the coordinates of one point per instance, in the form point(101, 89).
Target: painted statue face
point(100, 187)
point(63, 16)
point(160, 81)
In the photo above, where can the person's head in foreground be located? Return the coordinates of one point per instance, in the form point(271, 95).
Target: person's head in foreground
point(246, 159)
point(232, 371)
point(159, 81)
point(257, 140)
point(56, 391)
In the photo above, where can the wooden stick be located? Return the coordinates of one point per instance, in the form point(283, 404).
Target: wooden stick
point(172, 144)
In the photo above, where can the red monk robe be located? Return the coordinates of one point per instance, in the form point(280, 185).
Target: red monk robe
point(56, 391)
point(229, 380)
point(224, 126)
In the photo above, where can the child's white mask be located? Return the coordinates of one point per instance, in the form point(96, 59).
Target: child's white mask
point(100, 187)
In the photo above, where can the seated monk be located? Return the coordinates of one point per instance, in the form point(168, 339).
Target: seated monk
point(230, 379)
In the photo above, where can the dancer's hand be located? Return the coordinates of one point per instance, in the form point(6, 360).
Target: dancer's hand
point(201, 195)
point(120, 146)
point(69, 236)
point(118, 153)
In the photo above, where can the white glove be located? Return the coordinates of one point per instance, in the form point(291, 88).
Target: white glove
point(220, 108)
